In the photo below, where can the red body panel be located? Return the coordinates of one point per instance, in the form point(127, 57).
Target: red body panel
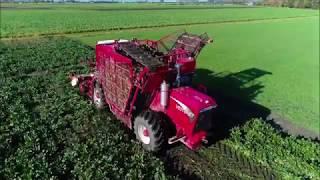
point(185, 124)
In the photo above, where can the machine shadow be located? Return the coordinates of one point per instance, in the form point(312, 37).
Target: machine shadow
point(235, 94)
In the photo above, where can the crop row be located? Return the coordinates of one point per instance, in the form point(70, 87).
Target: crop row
point(40, 56)
point(290, 157)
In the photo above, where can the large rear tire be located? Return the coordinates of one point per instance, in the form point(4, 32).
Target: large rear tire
point(149, 130)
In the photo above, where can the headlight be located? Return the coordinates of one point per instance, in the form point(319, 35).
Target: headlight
point(74, 81)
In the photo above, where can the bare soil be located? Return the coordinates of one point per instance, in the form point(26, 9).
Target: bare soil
point(222, 163)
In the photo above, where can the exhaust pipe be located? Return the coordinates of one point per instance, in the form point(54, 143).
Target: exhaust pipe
point(178, 78)
point(164, 94)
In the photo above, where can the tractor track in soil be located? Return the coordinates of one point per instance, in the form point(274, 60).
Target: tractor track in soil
point(139, 28)
point(223, 163)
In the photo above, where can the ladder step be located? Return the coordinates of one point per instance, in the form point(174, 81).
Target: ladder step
point(175, 139)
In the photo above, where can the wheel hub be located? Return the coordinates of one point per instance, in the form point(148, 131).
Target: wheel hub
point(144, 134)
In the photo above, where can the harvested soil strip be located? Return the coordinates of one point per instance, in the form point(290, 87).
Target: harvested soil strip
point(149, 27)
point(222, 163)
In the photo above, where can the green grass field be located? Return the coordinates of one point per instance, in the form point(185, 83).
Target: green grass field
point(67, 19)
point(269, 56)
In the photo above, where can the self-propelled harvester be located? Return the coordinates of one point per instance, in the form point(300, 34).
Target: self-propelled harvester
point(147, 85)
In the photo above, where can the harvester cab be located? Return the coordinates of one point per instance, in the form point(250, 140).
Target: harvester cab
point(147, 85)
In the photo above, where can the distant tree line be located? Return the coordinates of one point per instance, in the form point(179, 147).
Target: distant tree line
point(314, 4)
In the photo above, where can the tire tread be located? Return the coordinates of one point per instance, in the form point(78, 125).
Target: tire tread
point(153, 120)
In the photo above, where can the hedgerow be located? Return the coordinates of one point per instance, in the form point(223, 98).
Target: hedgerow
point(47, 130)
point(290, 157)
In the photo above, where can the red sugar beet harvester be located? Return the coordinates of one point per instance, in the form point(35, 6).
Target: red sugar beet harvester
point(147, 85)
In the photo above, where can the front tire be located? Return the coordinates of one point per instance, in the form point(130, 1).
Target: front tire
point(149, 130)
